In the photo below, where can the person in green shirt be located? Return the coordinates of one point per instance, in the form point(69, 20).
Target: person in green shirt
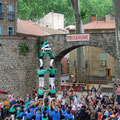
point(41, 73)
point(52, 76)
point(52, 93)
point(18, 113)
point(40, 93)
point(12, 112)
point(44, 116)
point(46, 50)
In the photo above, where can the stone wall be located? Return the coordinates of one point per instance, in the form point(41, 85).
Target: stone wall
point(18, 72)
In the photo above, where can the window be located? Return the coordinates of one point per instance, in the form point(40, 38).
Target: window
point(11, 13)
point(10, 31)
point(1, 30)
point(103, 59)
point(102, 73)
point(1, 10)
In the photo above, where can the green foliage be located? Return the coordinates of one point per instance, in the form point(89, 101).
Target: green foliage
point(98, 7)
point(35, 9)
point(23, 49)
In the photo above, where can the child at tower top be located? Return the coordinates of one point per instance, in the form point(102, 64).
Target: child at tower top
point(46, 46)
point(46, 50)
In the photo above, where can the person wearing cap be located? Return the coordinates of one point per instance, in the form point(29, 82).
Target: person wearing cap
point(46, 50)
point(41, 73)
point(52, 76)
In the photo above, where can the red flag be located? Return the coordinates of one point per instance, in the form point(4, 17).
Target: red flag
point(3, 92)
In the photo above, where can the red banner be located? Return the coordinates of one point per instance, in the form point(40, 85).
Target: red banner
point(78, 37)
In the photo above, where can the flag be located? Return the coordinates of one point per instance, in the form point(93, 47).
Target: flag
point(3, 92)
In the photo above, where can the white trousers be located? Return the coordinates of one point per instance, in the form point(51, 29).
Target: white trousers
point(13, 117)
point(51, 62)
point(52, 82)
point(23, 118)
point(41, 82)
point(41, 62)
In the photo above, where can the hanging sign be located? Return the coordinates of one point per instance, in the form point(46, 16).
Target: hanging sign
point(78, 37)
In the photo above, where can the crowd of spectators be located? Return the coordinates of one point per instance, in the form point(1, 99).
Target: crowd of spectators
point(46, 104)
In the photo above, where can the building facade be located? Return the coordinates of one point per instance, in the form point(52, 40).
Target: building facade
point(53, 20)
point(8, 17)
point(98, 64)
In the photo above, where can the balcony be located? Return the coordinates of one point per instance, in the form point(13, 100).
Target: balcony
point(11, 16)
point(1, 15)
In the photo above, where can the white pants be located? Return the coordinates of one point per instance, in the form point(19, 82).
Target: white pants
point(41, 82)
point(51, 62)
point(52, 82)
point(23, 118)
point(13, 117)
point(41, 62)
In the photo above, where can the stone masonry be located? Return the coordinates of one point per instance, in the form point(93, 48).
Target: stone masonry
point(18, 72)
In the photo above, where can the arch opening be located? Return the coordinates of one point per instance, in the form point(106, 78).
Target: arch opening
point(99, 66)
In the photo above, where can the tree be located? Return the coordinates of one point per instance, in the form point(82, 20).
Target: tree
point(38, 8)
point(76, 8)
point(117, 21)
point(80, 55)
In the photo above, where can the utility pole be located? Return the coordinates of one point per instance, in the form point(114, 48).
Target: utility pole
point(80, 54)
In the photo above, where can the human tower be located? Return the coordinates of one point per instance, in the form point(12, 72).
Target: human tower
point(45, 49)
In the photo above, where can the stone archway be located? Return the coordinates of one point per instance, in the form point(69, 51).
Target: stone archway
point(60, 46)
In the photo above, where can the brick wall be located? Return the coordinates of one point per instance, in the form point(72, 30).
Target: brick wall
point(5, 22)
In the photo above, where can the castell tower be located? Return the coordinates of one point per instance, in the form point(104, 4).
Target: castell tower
point(8, 17)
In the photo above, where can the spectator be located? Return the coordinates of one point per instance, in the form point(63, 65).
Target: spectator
point(118, 94)
point(88, 87)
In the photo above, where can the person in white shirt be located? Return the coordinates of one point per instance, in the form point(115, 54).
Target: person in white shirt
point(63, 101)
point(59, 96)
point(73, 109)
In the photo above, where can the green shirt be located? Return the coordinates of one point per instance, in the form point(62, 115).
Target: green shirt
point(52, 91)
point(41, 72)
point(26, 104)
point(18, 113)
point(45, 107)
point(47, 52)
point(45, 118)
point(52, 71)
point(12, 109)
point(41, 92)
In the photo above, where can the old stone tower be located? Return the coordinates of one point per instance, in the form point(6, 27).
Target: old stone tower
point(8, 17)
